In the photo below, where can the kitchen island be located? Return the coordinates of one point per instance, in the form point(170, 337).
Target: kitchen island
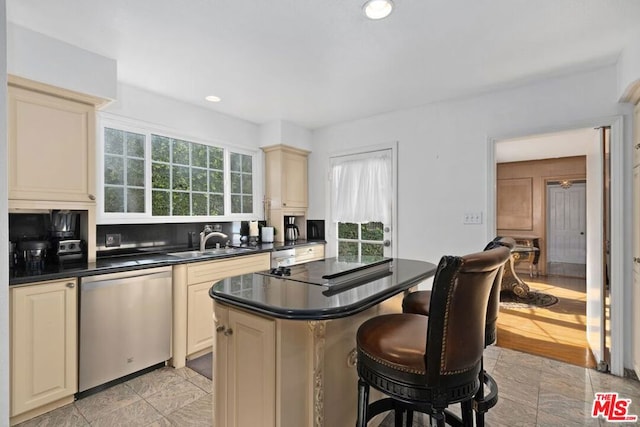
point(284, 353)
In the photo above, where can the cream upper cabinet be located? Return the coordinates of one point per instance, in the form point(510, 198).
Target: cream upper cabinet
point(51, 143)
point(286, 176)
point(43, 325)
point(244, 369)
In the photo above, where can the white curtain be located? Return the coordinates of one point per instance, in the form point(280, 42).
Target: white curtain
point(361, 188)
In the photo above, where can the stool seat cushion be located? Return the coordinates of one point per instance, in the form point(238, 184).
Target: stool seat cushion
point(396, 340)
point(417, 302)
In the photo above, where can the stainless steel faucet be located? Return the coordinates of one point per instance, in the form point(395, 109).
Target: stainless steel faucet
point(207, 233)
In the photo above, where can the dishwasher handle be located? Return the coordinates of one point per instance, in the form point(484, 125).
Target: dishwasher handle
point(126, 275)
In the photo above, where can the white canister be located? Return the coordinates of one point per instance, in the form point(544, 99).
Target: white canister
point(267, 234)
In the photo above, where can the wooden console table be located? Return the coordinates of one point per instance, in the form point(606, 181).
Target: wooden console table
point(526, 250)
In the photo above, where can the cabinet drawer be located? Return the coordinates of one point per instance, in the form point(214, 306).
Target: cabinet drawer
point(219, 269)
point(309, 253)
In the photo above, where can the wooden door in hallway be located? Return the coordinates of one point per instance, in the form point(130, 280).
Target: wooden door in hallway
point(566, 222)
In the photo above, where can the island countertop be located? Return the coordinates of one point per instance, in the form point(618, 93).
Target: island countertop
point(309, 295)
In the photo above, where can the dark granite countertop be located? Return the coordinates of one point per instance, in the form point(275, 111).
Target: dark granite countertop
point(144, 258)
point(293, 298)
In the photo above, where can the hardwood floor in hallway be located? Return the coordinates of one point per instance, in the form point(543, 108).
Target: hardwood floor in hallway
point(557, 332)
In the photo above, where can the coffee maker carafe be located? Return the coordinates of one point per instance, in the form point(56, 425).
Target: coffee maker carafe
point(291, 231)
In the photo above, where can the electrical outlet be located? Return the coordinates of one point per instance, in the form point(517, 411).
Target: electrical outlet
point(112, 240)
point(472, 218)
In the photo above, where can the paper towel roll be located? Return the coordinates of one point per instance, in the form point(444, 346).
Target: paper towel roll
point(267, 234)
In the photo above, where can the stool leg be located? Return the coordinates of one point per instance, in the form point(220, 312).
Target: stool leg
point(409, 418)
point(480, 396)
point(467, 413)
point(398, 417)
point(363, 402)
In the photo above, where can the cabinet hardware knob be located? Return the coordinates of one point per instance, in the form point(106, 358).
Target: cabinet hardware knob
point(71, 285)
point(92, 197)
point(228, 332)
point(220, 328)
point(637, 146)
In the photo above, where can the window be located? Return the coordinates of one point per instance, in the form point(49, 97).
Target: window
point(241, 184)
point(187, 179)
point(360, 239)
point(147, 175)
point(123, 171)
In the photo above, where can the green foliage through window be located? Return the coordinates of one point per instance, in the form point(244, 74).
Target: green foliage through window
point(359, 240)
point(187, 178)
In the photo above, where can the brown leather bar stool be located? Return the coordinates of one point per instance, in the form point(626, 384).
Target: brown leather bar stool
point(418, 303)
point(422, 363)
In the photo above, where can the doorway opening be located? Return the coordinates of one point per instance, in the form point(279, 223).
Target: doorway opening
point(557, 195)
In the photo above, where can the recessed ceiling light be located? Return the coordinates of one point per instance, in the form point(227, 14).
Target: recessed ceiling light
point(377, 9)
point(213, 98)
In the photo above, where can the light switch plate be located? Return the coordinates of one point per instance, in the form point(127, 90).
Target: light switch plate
point(112, 240)
point(472, 218)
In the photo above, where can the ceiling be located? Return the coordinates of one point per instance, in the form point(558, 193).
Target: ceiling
point(320, 62)
point(546, 146)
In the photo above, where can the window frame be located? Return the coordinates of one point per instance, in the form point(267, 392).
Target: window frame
point(106, 120)
point(359, 240)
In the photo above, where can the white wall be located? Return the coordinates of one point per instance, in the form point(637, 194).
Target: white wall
point(282, 132)
point(38, 57)
point(629, 66)
point(443, 155)
point(4, 228)
point(190, 120)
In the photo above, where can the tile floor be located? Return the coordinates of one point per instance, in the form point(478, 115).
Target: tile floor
point(533, 391)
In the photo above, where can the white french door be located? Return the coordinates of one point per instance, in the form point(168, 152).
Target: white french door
point(567, 239)
point(367, 230)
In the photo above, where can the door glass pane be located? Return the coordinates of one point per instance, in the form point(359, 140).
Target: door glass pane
point(372, 249)
point(347, 249)
point(347, 230)
point(372, 231)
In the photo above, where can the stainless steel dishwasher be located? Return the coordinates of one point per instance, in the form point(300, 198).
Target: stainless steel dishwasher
point(125, 324)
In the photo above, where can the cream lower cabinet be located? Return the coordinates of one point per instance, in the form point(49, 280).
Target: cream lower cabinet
point(309, 253)
point(272, 372)
point(192, 332)
point(43, 325)
point(245, 354)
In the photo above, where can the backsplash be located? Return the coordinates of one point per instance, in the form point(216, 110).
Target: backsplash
point(148, 236)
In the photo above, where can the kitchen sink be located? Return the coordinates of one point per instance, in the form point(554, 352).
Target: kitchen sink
point(209, 253)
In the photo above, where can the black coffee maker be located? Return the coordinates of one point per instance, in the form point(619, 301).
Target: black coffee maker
point(65, 244)
point(291, 231)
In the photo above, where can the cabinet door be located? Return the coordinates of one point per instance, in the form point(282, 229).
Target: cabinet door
point(200, 332)
point(251, 376)
point(309, 253)
point(636, 136)
point(51, 147)
point(201, 276)
point(43, 344)
point(636, 270)
point(294, 171)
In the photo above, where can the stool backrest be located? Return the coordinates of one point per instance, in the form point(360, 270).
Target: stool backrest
point(493, 306)
point(457, 314)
